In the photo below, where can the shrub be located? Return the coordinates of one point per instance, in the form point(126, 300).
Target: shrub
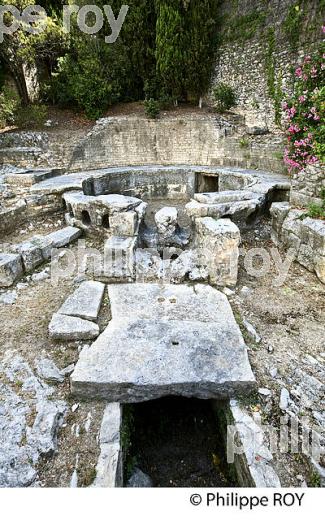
point(304, 114)
point(152, 108)
point(8, 105)
point(224, 96)
point(316, 211)
point(30, 116)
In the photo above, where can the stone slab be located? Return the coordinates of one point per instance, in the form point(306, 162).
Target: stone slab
point(109, 469)
point(68, 328)
point(64, 236)
point(85, 302)
point(30, 177)
point(172, 340)
point(11, 269)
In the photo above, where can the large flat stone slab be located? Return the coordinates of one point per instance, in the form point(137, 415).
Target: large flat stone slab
point(85, 302)
point(172, 340)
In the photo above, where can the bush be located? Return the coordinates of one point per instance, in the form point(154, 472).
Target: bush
point(304, 114)
point(316, 211)
point(152, 108)
point(9, 102)
point(224, 96)
point(30, 116)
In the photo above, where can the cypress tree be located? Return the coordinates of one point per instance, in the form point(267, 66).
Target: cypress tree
point(171, 47)
point(201, 23)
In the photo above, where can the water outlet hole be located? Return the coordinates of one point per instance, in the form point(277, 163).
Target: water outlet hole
point(177, 442)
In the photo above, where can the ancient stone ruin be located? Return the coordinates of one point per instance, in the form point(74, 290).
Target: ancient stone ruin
point(163, 246)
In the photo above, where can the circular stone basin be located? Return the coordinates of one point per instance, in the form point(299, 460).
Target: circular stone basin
point(175, 186)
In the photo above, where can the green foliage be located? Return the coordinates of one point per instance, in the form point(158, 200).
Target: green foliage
point(171, 46)
point(31, 116)
point(315, 480)
point(224, 96)
point(186, 43)
point(274, 83)
point(9, 102)
point(244, 143)
point(152, 108)
point(319, 130)
point(270, 62)
point(317, 210)
point(293, 23)
point(244, 27)
point(22, 49)
point(202, 28)
point(171, 57)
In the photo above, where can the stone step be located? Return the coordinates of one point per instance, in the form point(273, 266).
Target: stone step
point(39, 248)
point(85, 302)
point(165, 340)
point(29, 177)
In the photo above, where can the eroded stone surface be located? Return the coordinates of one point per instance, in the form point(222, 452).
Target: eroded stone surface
point(109, 469)
point(217, 242)
point(85, 302)
point(172, 340)
point(11, 269)
point(304, 235)
point(119, 253)
point(68, 328)
point(25, 397)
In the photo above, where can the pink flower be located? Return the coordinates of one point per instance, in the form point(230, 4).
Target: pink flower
point(302, 99)
point(313, 72)
point(293, 129)
point(299, 72)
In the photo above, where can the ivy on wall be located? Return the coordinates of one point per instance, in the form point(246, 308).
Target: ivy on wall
point(292, 25)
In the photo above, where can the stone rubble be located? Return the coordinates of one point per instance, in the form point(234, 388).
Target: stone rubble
point(21, 445)
point(47, 370)
point(139, 479)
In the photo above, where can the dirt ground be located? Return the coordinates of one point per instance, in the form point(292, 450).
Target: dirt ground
point(290, 319)
point(24, 329)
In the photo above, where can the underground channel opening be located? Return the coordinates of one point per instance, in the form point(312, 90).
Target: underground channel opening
point(177, 442)
point(206, 183)
point(85, 217)
point(105, 222)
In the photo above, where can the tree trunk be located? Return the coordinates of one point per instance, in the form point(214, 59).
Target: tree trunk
point(200, 102)
point(20, 81)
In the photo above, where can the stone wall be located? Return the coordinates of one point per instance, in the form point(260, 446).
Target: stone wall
point(257, 53)
point(197, 140)
point(307, 186)
point(304, 236)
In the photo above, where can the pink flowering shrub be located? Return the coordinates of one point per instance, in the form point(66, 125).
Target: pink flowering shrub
point(304, 114)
